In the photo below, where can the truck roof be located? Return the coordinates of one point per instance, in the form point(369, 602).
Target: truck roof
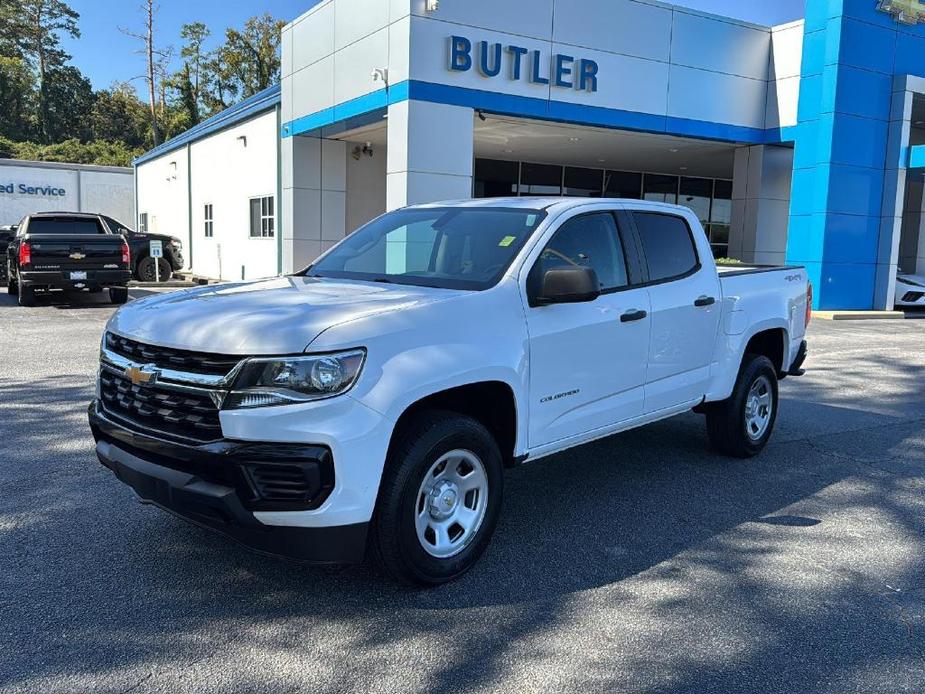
point(544, 203)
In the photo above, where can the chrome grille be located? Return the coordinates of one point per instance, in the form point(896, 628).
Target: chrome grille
point(159, 408)
point(170, 358)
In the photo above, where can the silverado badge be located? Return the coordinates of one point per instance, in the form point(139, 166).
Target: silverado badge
point(142, 375)
point(77, 255)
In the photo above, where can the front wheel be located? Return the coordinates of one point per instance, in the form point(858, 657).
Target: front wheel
point(741, 425)
point(439, 500)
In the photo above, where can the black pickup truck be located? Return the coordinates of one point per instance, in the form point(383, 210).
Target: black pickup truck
point(71, 252)
point(140, 244)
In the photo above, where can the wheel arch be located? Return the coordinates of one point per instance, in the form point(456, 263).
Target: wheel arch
point(491, 403)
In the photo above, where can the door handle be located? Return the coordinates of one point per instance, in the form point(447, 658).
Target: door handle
point(704, 301)
point(632, 315)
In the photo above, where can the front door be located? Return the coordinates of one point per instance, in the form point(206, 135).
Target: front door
point(587, 360)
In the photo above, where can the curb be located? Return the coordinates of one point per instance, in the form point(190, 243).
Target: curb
point(859, 315)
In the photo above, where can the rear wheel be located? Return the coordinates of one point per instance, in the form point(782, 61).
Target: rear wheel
point(741, 425)
point(26, 295)
point(439, 500)
point(145, 270)
point(12, 286)
point(118, 295)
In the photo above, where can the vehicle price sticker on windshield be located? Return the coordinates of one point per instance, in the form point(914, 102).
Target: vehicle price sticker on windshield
point(157, 249)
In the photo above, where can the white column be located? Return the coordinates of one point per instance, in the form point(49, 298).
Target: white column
point(314, 189)
point(761, 204)
point(429, 155)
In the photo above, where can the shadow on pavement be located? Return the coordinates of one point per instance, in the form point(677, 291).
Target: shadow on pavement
point(94, 582)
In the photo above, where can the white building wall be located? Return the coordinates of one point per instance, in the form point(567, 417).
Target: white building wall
point(784, 76)
point(365, 186)
point(226, 169)
point(108, 190)
point(163, 187)
point(229, 169)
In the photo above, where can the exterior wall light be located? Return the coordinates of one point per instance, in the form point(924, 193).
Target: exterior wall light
point(431, 5)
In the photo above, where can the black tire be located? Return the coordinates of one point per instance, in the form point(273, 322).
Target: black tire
point(118, 295)
point(26, 296)
point(394, 540)
point(144, 271)
point(727, 425)
point(12, 287)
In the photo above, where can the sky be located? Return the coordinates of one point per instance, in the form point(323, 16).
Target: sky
point(105, 55)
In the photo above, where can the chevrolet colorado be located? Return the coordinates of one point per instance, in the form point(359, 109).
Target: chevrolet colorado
point(373, 400)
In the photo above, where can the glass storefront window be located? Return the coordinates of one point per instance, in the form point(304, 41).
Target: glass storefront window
point(696, 194)
point(586, 183)
point(540, 179)
point(722, 203)
point(495, 178)
point(623, 184)
point(659, 188)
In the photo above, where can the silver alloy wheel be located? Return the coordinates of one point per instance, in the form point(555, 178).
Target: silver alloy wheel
point(759, 404)
point(451, 503)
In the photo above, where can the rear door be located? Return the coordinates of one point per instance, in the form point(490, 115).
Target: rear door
point(685, 309)
point(587, 361)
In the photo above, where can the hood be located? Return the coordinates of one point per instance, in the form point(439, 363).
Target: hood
point(915, 280)
point(275, 316)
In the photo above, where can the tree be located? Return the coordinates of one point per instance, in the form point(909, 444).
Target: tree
point(17, 96)
point(250, 59)
point(38, 25)
point(194, 36)
point(154, 59)
point(68, 102)
point(119, 115)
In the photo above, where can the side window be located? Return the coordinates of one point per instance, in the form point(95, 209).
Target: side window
point(668, 245)
point(587, 241)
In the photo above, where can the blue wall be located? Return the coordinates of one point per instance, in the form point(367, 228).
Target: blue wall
point(851, 51)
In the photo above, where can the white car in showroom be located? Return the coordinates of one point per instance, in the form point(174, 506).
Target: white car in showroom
point(910, 290)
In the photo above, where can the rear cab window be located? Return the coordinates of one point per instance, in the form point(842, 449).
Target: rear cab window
point(668, 245)
point(64, 225)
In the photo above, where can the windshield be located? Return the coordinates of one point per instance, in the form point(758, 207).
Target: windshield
point(446, 247)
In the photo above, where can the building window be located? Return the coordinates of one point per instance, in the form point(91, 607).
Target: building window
point(659, 188)
point(263, 219)
point(207, 214)
point(720, 218)
point(696, 194)
point(623, 184)
point(143, 222)
point(583, 183)
point(540, 179)
point(495, 178)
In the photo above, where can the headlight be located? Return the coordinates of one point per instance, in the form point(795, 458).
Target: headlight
point(287, 380)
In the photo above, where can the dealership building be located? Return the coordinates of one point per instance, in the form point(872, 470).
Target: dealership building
point(27, 187)
point(802, 143)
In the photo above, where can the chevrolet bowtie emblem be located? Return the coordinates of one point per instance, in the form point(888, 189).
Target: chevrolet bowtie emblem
point(141, 375)
point(76, 255)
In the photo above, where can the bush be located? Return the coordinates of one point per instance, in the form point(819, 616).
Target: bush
point(99, 152)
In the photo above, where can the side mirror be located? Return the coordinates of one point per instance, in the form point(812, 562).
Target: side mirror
point(570, 285)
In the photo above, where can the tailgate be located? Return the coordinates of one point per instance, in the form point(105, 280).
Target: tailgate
point(75, 252)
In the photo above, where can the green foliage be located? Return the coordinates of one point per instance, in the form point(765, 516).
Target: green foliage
point(49, 111)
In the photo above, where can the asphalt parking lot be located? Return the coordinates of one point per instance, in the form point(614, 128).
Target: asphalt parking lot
point(639, 563)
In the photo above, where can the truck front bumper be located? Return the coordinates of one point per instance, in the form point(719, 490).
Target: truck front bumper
point(214, 486)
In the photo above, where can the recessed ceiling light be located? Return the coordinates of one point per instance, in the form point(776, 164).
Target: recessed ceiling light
point(683, 168)
point(574, 139)
point(601, 161)
point(508, 151)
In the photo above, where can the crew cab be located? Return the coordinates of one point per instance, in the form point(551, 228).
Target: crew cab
point(70, 252)
point(373, 399)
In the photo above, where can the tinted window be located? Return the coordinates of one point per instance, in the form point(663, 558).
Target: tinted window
point(585, 183)
point(116, 226)
point(660, 188)
point(587, 241)
point(540, 179)
point(667, 243)
point(495, 178)
point(455, 248)
point(623, 184)
point(64, 225)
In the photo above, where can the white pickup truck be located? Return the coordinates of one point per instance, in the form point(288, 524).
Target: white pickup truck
point(373, 400)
